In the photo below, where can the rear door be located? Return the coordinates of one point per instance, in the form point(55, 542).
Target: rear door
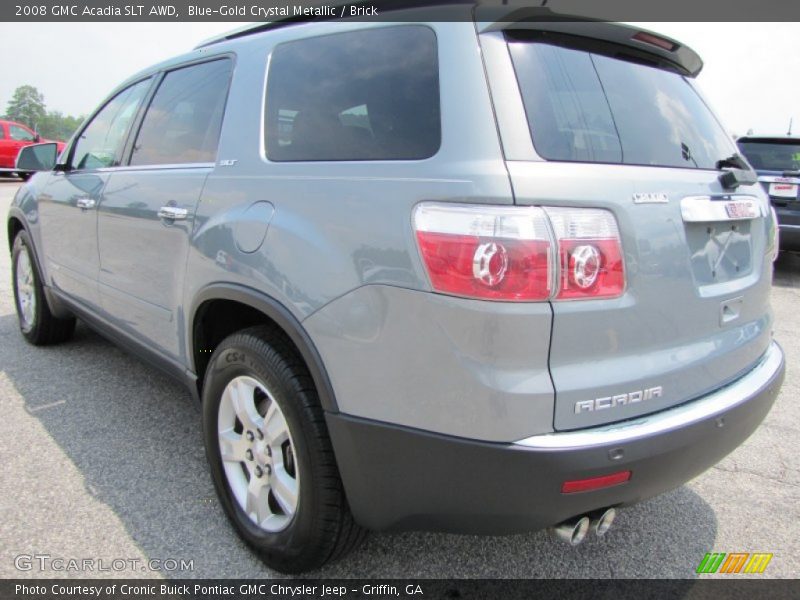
point(147, 209)
point(611, 129)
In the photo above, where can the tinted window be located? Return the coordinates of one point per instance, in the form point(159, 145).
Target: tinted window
point(183, 121)
point(363, 95)
point(101, 142)
point(20, 133)
point(778, 155)
point(2, 132)
point(590, 107)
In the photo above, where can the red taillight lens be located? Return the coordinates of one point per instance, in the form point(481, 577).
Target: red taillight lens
point(507, 253)
point(595, 483)
point(590, 253)
point(492, 253)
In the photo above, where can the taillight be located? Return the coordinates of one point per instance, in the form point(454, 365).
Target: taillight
point(589, 253)
point(507, 253)
point(487, 252)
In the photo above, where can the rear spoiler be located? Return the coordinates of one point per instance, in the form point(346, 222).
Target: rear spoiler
point(639, 41)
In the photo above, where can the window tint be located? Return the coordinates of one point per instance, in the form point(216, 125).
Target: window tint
point(589, 107)
point(362, 95)
point(101, 142)
point(183, 121)
point(20, 133)
point(772, 155)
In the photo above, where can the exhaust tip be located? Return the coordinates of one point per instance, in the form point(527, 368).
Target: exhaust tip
point(602, 521)
point(572, 531)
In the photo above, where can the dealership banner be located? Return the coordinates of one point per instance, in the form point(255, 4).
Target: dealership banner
point(281, 10)
point(501, 589)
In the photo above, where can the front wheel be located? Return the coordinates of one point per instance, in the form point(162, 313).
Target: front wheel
point(270, 455)
point(36, 322)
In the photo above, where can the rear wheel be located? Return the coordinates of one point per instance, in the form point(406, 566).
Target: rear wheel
point(36, 322)
point(270, 455)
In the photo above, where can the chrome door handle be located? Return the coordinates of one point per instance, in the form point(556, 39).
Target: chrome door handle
point(173, 213)
point(85, 203)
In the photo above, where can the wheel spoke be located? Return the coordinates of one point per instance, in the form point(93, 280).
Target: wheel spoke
point(232, 446)
point(257, 505)
point(275, 427)
point(244, 404)
point(284, 488)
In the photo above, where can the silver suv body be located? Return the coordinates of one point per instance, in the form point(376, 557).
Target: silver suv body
point(477, 276)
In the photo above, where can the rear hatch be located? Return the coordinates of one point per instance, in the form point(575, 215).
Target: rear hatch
point(615, 128)
point(777, 162)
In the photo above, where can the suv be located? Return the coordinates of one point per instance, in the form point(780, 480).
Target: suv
point(482, 276)
point(777, 162)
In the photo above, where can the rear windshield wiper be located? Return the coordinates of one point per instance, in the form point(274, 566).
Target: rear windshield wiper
point(734, 161)
point(735, 172)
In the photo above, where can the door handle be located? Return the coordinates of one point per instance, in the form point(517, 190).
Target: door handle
point(173, 213)
point(85, 203)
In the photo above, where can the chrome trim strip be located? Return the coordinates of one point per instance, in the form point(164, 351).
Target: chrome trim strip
point(785, 226)
point(704, 408)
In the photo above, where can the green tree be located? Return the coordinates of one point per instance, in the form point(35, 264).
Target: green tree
point(57, 126)
point(26, 106)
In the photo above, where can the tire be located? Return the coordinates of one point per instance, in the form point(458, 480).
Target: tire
point(36, 322)
point(256, 383)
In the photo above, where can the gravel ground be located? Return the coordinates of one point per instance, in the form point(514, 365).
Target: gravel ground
point(103, 459)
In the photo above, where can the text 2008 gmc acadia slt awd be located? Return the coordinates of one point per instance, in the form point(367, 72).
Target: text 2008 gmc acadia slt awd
point(486, 275)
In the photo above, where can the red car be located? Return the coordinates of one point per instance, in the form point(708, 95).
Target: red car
point(14, 136)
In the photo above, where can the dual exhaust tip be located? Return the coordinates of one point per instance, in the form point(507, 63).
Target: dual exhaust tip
point(574, 531)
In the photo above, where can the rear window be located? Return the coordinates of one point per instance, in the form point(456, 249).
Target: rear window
point(363, 95)
point(768, 155)
point(588, 107)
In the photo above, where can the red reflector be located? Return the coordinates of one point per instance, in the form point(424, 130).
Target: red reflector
point(595, 483)
point(653, 40)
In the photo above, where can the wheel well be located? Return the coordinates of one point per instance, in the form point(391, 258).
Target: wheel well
point(217, 319)
point(14, 227)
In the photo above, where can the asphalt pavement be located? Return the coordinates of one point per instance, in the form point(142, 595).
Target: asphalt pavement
point(102, 459)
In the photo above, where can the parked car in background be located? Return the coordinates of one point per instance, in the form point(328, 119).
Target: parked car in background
point(455, 276)
point(13, 137)
point(777, 162)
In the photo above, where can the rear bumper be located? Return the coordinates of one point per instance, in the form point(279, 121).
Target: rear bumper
point(404, 479)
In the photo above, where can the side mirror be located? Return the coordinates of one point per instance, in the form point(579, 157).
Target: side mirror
point(37, 157)
point(37, 138)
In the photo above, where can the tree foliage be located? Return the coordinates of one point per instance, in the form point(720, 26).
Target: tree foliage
point(27, 106)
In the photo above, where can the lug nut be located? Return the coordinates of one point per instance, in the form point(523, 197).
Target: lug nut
point(260, 435)
point(259, 472)
point(269, 470)
point(249, 455)
point(250, 436)
point(269, 451)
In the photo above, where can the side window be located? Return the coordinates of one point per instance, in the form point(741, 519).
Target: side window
point(20, 134)
point(2, 132)
point(101, 142)
point(362, 95)
point(183, 121)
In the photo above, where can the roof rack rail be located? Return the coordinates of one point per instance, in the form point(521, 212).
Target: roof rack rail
point(383, 5)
